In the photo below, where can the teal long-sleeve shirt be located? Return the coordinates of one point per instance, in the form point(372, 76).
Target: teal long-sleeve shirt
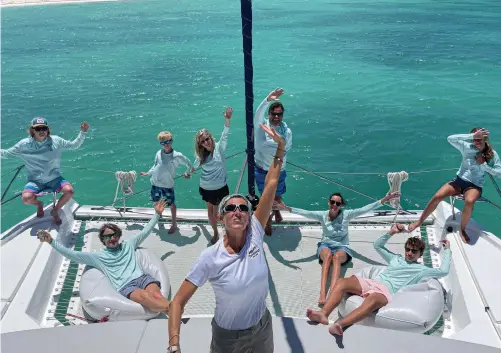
point(263, 143)
point(470, 170)
point(400, 273)
point(163, 172)
point(119, 264)
point(42, 159)
point(335, 232)
point(214, 175)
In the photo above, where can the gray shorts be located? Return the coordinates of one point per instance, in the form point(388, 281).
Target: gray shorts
point(138, 283)
point(258, 338)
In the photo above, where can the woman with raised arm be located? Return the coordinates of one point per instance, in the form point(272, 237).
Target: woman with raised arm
point(214, 179)
point(478, 158)
point(334, 247)
point(236, 267)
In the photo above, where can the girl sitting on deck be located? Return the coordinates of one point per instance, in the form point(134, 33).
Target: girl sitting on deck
point(237, 269)
point(478, 158)
point(118, 262)
point(334, 246)
point(214, 179)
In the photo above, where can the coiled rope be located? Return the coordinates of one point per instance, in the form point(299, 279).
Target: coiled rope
point(125, 183)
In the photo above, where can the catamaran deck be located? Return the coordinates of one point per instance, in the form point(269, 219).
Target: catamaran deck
point(291, 255)
point(42, 287)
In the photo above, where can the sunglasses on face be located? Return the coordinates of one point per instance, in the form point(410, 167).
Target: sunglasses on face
point(168, 142)
point(414, 251)
point(109, 236)
point(232, 208)
point(205, 140)
point(277, 114)
point(478, 140)
point(337, 203)
point(41, 128)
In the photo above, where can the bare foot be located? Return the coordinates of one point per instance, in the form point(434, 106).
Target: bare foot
point(55, 216)
point(336, 329)
point(214, 239)
point(464, 236)
point(172, 229)
point(413, 226)
point(278, 217)
point(317, 316)
point(40, 212)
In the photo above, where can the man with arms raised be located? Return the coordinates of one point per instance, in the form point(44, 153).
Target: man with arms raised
point(266, 147)
point(41, 153)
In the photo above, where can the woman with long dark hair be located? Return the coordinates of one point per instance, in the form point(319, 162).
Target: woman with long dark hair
point(334, 247)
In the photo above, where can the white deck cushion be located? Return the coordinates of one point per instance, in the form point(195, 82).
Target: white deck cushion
point(414, 308)
point(100, 299)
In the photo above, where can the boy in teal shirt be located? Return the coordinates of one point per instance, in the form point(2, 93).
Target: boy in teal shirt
point(399, 273)
point(163, 173)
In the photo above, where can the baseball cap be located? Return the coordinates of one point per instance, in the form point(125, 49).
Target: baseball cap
point(39, 121)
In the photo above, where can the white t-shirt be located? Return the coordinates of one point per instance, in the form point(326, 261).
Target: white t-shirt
point(240, 281)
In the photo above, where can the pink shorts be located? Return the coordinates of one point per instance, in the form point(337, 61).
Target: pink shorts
point(370, 286)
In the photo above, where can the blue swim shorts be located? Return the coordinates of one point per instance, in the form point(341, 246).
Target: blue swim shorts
point(260, 175)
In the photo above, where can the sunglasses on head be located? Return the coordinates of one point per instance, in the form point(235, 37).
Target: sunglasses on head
point(168, 142)
point(277, 114)
point(41, 128)
point(205, 140)
point(109, 236)
point(414, 251)
point(232, 208)
point(337, 203)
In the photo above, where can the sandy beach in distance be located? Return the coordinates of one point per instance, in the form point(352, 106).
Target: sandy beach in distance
point(12, 3)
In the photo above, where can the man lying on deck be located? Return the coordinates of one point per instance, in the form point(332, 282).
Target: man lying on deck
point(400, 272)
point(118, 262)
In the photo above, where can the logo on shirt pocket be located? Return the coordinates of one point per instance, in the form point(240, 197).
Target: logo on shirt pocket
point(253, 251)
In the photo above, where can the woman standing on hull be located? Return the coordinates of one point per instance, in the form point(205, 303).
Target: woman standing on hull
point(214, 179)
point(478, 158)
point(334, 247)
point(237, 269)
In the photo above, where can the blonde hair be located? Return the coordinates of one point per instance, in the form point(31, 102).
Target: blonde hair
point(200, 151)
point(164, 136)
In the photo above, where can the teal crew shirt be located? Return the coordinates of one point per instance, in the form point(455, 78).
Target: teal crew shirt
point(119, 264)
point(43, 159)
point(400, 272)
point(335, 232)
point(470, 170)
point(214, 175)
point(163, 172)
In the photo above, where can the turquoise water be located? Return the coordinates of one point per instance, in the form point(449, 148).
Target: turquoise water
point(370, 87)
